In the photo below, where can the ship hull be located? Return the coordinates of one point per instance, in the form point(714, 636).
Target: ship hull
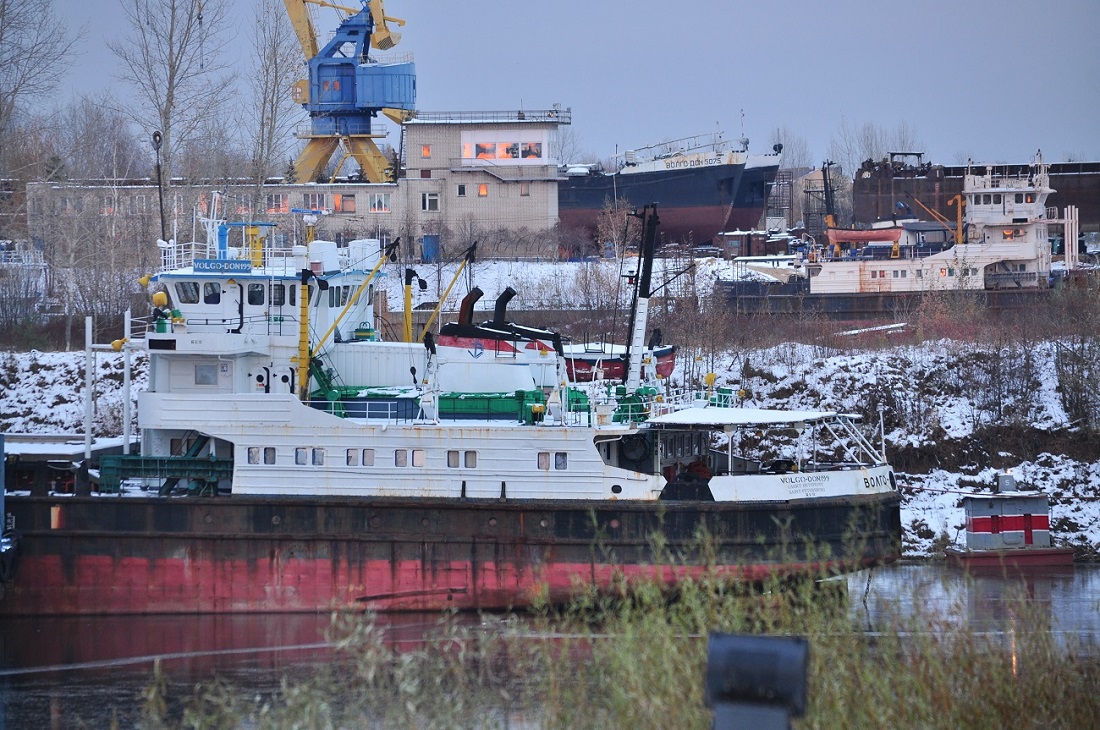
point(139, 555)
point(696, 203)
point(795, 299)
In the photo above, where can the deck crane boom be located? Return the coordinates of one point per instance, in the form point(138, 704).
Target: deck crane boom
point(346, 87)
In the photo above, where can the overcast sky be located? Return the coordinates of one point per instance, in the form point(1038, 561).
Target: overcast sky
point(989, 79)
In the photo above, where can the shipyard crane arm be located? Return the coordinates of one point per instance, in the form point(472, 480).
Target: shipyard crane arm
point(382, 38)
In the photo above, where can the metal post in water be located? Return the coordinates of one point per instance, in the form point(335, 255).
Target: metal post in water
point(87, 388)
point(126, 416)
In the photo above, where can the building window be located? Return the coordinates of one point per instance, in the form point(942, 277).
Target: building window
point(425, 174)
point(418, 457)
point(343, 203)
point(313, 201)
point(471, 459)
point(426, 151)
point(269, 454)
point(524, 189)
point(429, 202)
point(561, 460)
point(300, 456)
point(462, 191)
point(318, 457)
point(137, 204)
point(400, 457)
point(368, 457)
point(256, 294)
point(380, 203)
point(278, 203)
point(483, 190)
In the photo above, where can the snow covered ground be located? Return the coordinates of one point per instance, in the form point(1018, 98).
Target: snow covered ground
point(934, 404)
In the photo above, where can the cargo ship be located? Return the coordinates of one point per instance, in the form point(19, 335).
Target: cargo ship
point(997, 251)
point(292, 462)
point(702, 192)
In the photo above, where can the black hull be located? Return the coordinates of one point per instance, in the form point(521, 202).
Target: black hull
point(106, 555)
point(695, 203)
point(796, 299)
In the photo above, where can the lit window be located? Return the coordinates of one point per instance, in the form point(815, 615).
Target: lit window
point(544, 460)
point(269, 454)
point(400, 457)
point(426, 151)
point(300, 456)
point(429, 202)
point(483, 190)
point(344, 203)
point(943, 272)
point(368, 457)
point(1029, 198)
point(471, 459)
point(253, 454)
point(318, 457)
point(418, 457)
point(353, 457)
point(380, 203)
point(452, 459)
point(561, 460)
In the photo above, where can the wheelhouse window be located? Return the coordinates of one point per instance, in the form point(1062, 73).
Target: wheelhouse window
point(187, 292)
point(256, 294)
point(211, 293)
point(206, 374)
point(278, 295)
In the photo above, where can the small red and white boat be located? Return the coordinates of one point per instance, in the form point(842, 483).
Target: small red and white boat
point(605, 361)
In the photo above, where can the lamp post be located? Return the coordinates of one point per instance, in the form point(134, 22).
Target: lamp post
point(157, 138)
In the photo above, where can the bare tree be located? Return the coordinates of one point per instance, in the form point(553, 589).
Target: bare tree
point(276, 66)
point(96, 141)
point(851, 145)
point(796, 150)
point(171, 58)
point(31, 38)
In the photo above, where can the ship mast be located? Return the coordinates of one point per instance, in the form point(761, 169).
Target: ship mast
point(640, 310)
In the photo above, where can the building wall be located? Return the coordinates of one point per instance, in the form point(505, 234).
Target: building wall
point(470, 196)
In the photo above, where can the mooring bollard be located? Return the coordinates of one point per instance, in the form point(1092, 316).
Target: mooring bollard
point(756, 682)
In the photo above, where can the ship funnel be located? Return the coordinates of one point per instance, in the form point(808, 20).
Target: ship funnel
point(499, 314)
point(466, 309)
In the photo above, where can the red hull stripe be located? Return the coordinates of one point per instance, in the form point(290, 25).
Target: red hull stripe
point(126, 585)
point(1008, 523)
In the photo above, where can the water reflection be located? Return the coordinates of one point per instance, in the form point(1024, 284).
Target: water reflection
point(1065, 599)
point(74, 672)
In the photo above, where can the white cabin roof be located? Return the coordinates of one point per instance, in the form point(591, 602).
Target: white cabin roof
point(707, 416)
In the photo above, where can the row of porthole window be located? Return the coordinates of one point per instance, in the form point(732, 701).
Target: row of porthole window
point(401, 457)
